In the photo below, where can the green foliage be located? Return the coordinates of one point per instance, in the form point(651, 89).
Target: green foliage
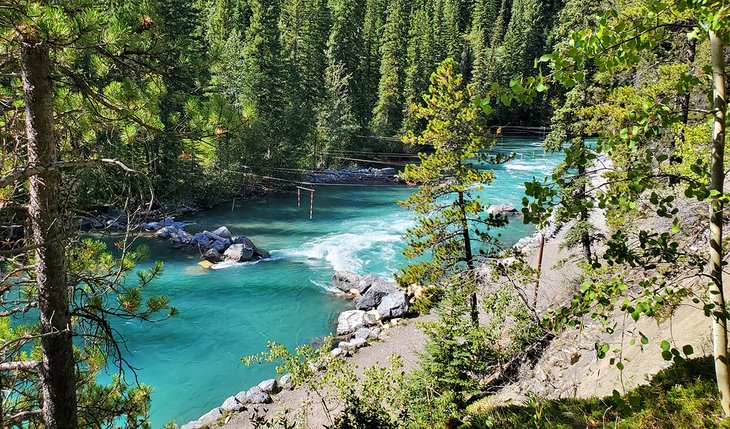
point(388, 113)
point(449, 215)
point(377, 398)
point(335, 121)
point(683, 396)
point(357, 415)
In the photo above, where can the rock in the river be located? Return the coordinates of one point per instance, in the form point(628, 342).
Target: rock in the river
point(231, 405)
point(503, 210)
point(239, 253)
point(375, 293)
point(222, 232)
point(164, 233)
point(350, 321)
point(256, 395)
point(221, 245)
point(173, 234)
point(269, 386)
point(336, 352)
point(393, 305)
point(202, 240)
point(345, 280)
point(242, 239)
point(213, 256)
point(261, 254)
point(286, 382)
point(181, 237)
point(367, 281)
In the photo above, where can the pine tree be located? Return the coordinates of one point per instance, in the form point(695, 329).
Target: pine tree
point(388, 113)
point(336, 123)
point(450, 221)
point(346, 46)
point(86, 72)
point(419, 62)
point(375, 14)
point(451, 29)
point(263, 77)
point(484, 25)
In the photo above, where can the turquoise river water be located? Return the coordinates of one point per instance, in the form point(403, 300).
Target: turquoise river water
point(193, 361)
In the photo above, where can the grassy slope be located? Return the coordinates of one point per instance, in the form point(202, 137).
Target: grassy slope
point(682, 396)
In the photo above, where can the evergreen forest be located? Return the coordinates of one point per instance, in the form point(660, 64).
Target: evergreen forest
point(117, 116)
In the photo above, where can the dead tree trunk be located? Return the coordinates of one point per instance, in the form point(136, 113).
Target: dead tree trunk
point(57, 367)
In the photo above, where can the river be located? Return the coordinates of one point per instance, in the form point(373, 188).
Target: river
point(193, 360)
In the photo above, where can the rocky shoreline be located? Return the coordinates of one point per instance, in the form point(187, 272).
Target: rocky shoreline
point(115, 218)
point(379, 305)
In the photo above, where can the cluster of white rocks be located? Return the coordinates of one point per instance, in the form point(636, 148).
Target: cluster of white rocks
point(259, 394)
point(376, 302)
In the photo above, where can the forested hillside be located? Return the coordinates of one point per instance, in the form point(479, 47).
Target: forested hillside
point(226, 91)
point(129, 106)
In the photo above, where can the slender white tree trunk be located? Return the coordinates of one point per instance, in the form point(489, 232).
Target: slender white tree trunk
point(719, 326)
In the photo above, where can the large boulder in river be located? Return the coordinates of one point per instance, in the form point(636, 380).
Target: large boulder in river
point(213, 256)
point(202, 239)
point(367, 281)
point(239, 253)
point(345, 280)
point(503, 210)
point(393, 305)
point(222, 232)
point(375, 294)
point(350, 321)
point(176, 235)
point(221, 245)
point(261, 254)
point(242, 239)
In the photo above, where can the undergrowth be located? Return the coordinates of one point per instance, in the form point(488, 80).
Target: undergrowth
point(682, 396)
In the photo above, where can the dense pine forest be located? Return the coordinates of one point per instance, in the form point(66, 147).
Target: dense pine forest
point(130, 110)
point(217, 94)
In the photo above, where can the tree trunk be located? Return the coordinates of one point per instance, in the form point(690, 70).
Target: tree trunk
point(469, 258)
point(717, 293)
point(57, 367)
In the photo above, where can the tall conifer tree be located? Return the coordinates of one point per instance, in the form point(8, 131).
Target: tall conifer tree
point(419, 60)
point(388, 113)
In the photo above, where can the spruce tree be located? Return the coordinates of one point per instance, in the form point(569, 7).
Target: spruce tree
point(346, 46)
point(484, 24)
point(375, 14)
point(388, 113)
point(263, 76)
point(336, 123)
point(451, 29)
point(419, 62)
